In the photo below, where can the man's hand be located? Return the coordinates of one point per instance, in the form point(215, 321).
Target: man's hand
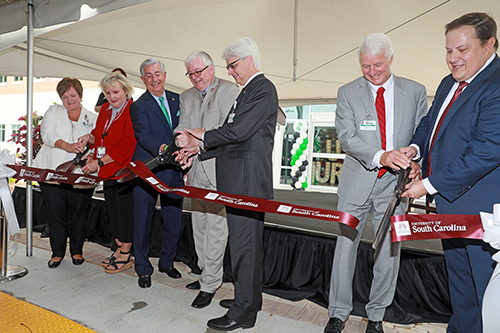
point(415, 190)
point(395, 159)
point(415, 173)
point(90, 166)
point(411, 151)
point(184, 139)
point(184, 156)
point(196, 132)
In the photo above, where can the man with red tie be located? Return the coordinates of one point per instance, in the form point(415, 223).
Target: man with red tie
point(376, 115)
point(459, 142)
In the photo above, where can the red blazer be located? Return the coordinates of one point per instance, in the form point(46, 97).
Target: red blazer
point(119, 142)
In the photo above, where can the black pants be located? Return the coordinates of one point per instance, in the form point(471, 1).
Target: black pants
point(67, 214)
point(119, 198)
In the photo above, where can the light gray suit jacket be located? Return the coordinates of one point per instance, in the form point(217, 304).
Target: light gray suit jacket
point(355, 103)
point(210, 113)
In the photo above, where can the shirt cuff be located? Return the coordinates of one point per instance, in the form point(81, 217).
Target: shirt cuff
point(428, 186)
point(376, 159)
point(418, 151)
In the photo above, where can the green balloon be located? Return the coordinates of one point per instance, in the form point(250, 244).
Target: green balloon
point(304, 184)
point(292, 162)
point(306, 141)
point(303, 146)
point(299, 152)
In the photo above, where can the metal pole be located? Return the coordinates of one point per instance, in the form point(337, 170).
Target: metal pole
point(29, 132)
point(8, 273)
point(295, 36)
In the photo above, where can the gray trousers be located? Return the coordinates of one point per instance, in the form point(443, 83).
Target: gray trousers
point(210, 238)
point(386, 261)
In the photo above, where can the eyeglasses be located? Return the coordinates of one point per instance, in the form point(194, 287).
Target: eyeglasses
point(231, 65)
point(196, 73)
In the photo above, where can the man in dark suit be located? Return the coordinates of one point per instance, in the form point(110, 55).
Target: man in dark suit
point(376, 115)
point(459, 141)
point(243, 146)
point(154, 116)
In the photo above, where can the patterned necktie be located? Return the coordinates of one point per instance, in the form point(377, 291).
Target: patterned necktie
point(380, 106)
point(459, 90)
point(165, 112)
point(203, 94)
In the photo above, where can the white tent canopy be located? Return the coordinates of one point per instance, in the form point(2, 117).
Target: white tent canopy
point(328, 33)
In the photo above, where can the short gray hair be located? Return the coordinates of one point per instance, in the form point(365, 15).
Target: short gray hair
point(151, 61)
point(115, 78)
point(242, 48)
point(376, 44)
point(205, 58)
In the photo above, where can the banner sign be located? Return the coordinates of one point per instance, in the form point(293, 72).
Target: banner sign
point(243, 202)
point(48, 175)
point(435, 226)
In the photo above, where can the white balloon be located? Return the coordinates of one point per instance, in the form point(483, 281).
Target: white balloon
point(299, 141)
point(293, 151)
point(295, 146)
point(302, 179)
point(298, 162)
point(298, 185)
point(302, 158)
point(303, 135)
point(294, 169)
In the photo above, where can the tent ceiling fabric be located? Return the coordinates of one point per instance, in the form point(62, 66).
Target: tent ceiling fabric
point(328, 35)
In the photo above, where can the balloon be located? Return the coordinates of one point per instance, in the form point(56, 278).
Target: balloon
point(302, 179)
point(303, 135)
point(298, 152)
point(304, 184)
point(298, 173)
point(294, 179)
point(295, 146)
point(302, 158)
point(306, 162)
point(299, 161)
point(293, 151)
point(294, 168)
point(299, 141)
point(303, 146)
point(298, 185)
point(306, 141)
point(296, 135)
point(302, 168)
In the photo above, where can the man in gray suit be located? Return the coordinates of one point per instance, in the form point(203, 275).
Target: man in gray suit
point(243, 146)
point(376, 115)
point(206, 105)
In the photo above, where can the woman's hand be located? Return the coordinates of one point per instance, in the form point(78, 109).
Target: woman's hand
point(87, 138)
point(91, 166)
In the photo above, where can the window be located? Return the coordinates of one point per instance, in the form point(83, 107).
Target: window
point(2, 132)
point(3, 79)
point(17, 80)
point(39, 79)
point(15, 131)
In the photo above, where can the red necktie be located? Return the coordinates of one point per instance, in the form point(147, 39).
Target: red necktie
point(459, 90)
point(380, 106)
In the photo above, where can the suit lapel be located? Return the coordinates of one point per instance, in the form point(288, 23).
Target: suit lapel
point(156, 110)
point(399, 109)
point(173, 105)
point(369, 106)
point(466, 94)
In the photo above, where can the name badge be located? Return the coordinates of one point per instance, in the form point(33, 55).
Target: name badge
point(368, 125)
point(230, 119)
point(101, 151)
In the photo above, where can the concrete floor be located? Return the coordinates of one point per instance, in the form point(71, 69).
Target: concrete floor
point(109, 303)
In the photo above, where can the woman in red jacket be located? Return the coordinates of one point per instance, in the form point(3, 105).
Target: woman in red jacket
point(114, 143)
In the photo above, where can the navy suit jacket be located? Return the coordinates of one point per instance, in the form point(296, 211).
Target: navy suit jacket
point(466, 154)
point(152, 130)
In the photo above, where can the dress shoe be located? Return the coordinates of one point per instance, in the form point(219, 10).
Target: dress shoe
point(194, 285)
point(172, 272)
point(145, 281)
point(334, 325)
point(374, 327)
point(77, 261)
point(54, 264)
point(225, 323)
point(226, 303)
point(202, 300)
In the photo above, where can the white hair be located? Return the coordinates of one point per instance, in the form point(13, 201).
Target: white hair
point(376, 44)
point(242, 48)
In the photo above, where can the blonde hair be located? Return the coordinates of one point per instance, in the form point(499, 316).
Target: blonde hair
point(115, 78)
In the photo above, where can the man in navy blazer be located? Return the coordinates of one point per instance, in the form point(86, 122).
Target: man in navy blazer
point(154, 116)
point(462, 163)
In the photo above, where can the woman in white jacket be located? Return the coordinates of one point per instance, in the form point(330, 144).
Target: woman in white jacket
point(67, 206)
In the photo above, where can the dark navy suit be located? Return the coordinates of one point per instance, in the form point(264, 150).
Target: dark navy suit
point(466, 173)
point(151, 131)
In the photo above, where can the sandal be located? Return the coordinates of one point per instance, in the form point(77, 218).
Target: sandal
point(109, 259)
point(126, 264)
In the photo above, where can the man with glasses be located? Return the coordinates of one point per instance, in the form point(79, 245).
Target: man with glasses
point(206, 105)
point(243, 146)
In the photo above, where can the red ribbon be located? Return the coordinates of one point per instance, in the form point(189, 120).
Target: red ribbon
point(435, 226)
point(241, 201)
point(44, 175)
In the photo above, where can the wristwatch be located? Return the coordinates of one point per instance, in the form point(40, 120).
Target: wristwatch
point(101, 163)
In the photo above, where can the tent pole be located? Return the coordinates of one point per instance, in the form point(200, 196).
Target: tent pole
point(29, 131)
point(295, 33)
